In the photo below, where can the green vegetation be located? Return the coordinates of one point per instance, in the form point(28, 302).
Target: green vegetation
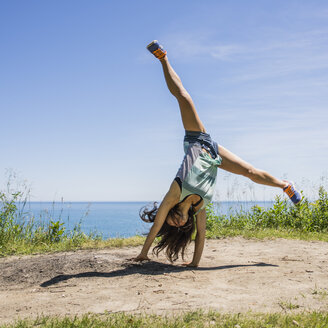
point(320, 293)
point(21, 234)
point(187, 320)
point(305, 221)
point(288, 305)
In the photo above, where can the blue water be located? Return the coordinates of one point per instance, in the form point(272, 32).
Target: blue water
point(110, 219)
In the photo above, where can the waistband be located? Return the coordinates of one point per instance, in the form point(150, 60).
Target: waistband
point(196, 134)
point(204, 139)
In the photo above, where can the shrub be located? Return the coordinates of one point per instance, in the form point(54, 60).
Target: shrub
point(305, 217)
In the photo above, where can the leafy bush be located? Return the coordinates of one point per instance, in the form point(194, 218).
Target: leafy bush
point(305, 217)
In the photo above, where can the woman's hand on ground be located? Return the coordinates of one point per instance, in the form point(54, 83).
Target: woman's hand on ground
point(190, 264)
point(140, 258)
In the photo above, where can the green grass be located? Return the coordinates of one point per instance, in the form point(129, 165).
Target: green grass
point(308, 220)
point(288, 305)
point(25, 247)
point(187, 320)
point(320, 293)
point(23, 234)
point(266, 233)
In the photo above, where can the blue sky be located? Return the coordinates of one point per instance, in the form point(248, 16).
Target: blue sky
point(86, 115)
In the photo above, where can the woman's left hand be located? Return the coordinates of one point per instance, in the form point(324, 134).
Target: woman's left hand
point(190, 264)
point(140, 258)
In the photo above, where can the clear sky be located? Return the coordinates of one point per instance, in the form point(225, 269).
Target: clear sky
point(86, 116)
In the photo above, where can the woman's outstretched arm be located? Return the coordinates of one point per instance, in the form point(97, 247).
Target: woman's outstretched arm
point(170, 199)
point(200, 238)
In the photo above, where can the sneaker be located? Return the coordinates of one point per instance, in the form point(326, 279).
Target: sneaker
point(156, 49)
point(292, 193)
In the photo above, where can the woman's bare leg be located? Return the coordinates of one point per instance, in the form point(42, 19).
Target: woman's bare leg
point(190, 118)
point(192, 122)
point(234, 164)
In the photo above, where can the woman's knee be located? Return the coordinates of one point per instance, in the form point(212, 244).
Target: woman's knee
point(182, 95)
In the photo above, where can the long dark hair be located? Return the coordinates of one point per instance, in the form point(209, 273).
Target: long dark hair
point(174, 239)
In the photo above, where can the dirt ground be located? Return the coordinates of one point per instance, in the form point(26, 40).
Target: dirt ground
point(235, 275)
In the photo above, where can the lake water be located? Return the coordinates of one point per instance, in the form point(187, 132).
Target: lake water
point(111, 219)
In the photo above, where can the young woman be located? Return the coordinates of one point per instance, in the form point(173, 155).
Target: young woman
point(193, 187)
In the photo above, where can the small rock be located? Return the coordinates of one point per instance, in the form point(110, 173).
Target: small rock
point(295, 323)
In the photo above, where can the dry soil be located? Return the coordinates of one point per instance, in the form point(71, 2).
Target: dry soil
point(235, 275)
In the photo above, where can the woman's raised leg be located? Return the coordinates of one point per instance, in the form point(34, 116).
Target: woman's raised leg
point(234, 164)
point(190, 118)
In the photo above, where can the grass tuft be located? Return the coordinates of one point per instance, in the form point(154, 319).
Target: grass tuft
point(193, 319)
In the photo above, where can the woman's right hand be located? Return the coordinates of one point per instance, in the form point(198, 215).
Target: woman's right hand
point(141, 258)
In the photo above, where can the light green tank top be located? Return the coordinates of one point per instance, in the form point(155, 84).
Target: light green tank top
point(198, 173)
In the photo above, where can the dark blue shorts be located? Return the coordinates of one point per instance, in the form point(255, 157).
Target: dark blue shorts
point(204, 139)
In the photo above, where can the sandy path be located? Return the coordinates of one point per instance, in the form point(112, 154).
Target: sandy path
point(236, 275)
